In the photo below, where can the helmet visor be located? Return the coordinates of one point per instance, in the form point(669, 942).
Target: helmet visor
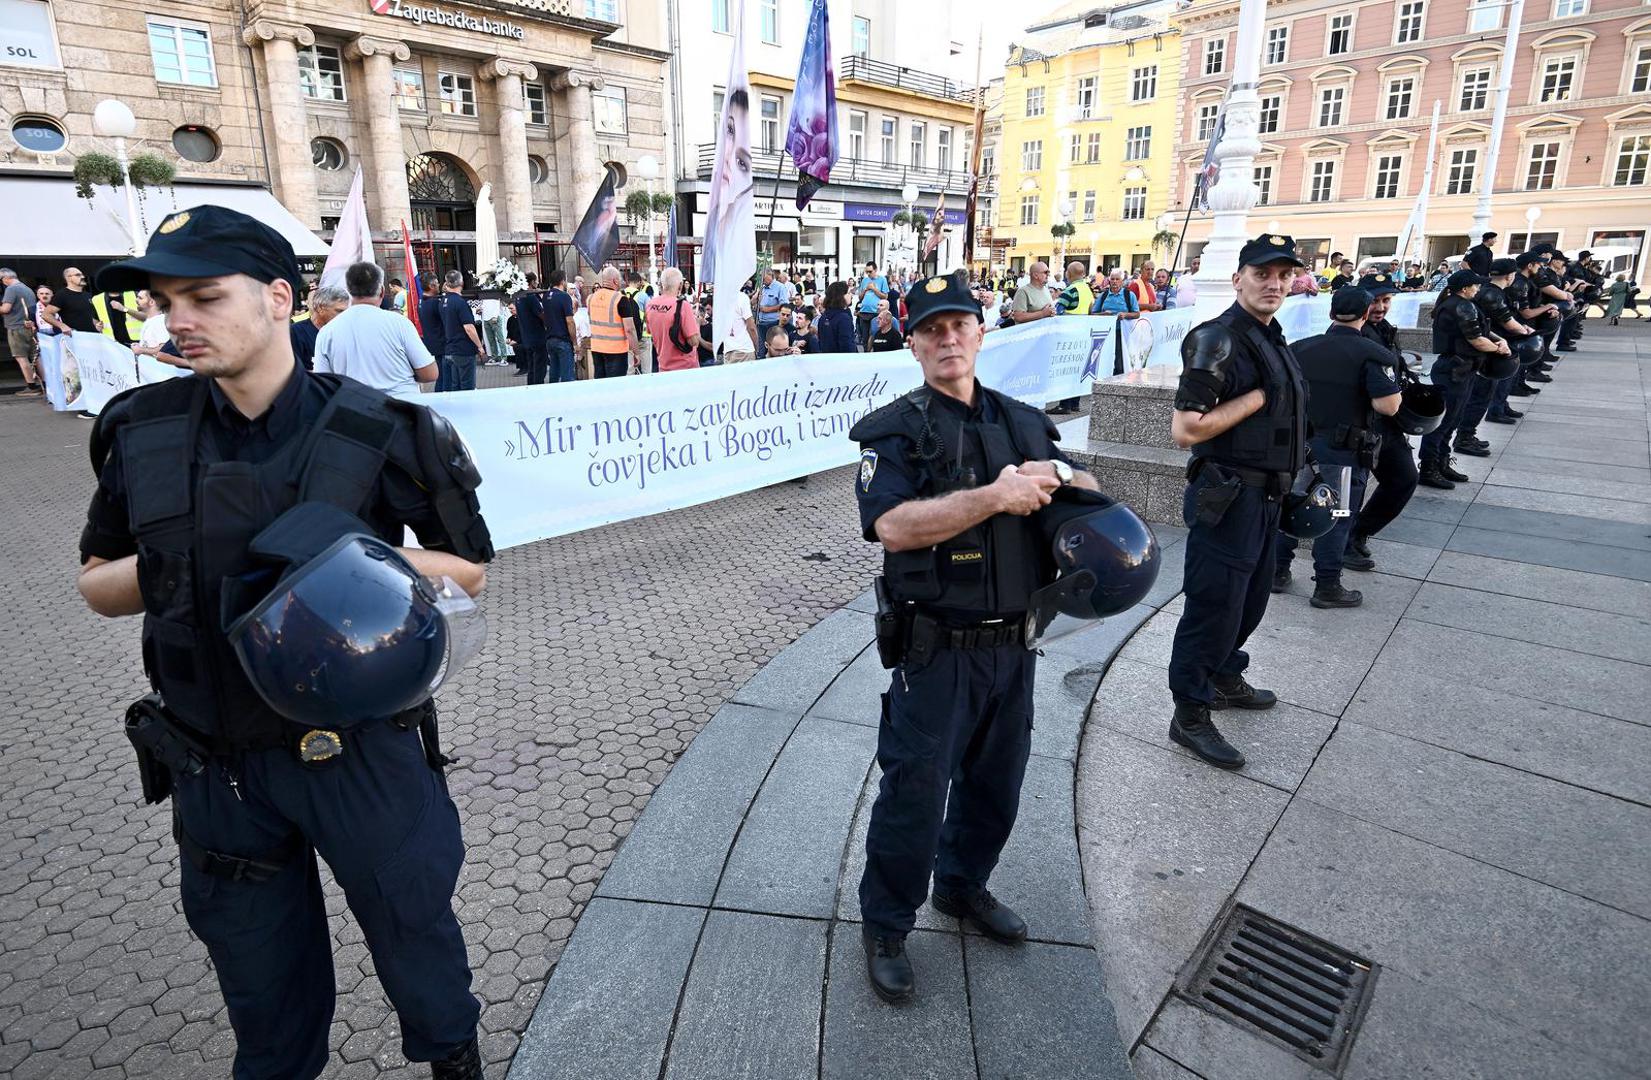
point(466, 629)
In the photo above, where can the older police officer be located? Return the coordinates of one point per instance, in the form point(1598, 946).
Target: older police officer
point(198, 479)
point(950, 476)
point(1241, 409)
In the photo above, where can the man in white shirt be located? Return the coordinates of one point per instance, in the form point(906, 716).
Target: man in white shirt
point(741, 343)
point(373, 346)
point(154, 338)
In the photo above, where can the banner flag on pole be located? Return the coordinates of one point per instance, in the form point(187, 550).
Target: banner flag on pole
point(811, 135)
point(975, 150)
point(670, 236)
point(937, 228)
point(1209, 172)
point(410, 268)
point(352, 241)
point(730, 219)
point(597, 237)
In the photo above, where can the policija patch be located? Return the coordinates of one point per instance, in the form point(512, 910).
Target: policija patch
point(868, 468)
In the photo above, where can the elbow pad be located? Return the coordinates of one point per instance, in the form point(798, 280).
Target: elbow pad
point(1206, 360)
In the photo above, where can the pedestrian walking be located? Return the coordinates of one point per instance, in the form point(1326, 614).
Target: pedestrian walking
point(15, 303)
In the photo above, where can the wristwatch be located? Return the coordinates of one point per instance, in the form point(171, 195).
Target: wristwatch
point(1063, 471)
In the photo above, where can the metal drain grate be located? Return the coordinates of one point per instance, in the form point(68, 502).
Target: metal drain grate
point(1291, 988)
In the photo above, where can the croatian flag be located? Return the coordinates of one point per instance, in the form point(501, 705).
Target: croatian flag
point(410, 268)
point(811, 136)
point(730, 219)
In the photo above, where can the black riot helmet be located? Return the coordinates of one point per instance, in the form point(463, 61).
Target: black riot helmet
point(353, 634)
point(1310, 506)
point(1421, 408)
point(1105, 559)
point(1495, 366)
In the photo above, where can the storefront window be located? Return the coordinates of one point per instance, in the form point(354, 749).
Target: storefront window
point(818, 241)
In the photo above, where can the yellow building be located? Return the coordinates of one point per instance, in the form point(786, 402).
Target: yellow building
point(1090, 101)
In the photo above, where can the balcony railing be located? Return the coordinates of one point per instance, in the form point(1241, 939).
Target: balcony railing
point(853, 171)
point(861, 69)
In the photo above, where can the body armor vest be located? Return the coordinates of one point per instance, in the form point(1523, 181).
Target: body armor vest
point(1337, 404)
point(1492, 303)
point(1272, 439)
point(195, 514)
point(991, 569)
point(1455, 320)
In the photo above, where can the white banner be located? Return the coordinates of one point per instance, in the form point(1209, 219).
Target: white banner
point(83, 371)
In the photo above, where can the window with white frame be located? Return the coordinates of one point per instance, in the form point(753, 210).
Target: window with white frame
point(1409, 25)
point(1639, 79)
point(1475, 90)
point(856, 136)
point(1542, 166)
point(1388, 167)
point(1341, 34)
point(1558, 79)
point(1633, 160)
point(943, 149)
point(722, 17)
point(1138, 143)
point(988, 161)
point(862, 36)
point(182, 52)
point(717, 97)
point(1264, 181)
point(408, 86)
point(1031, 155)
point(457, 92)
point(1207, 117)
point(887, 136)
point(1331, 101)
point(1401, 93)
point(1484, 15)
point(538, 107)
point(1135, 204)
point(1092, 149)
point(1569, 9)
point(1074, 149)
point(609, 110)
point(1278, 44)
point(605, 10)
point(1034, 101)
point(1089, 205)
point(1215, 56)
point(1072, 201)
point(1143, 83)
point(321, 73)
point(1464, 165)
point(1322, 187)
point(919, 144)
point(768, 124)
point(1272, 105)
point(1028, 209)
point(768, 18)
point(1084, 97)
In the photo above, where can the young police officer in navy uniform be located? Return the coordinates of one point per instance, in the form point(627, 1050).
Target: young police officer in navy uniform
point(1241, 409)
point(1350, 386)
point(1395, 469)
point(1459, 337)
point(190, 471)
point(950, 476)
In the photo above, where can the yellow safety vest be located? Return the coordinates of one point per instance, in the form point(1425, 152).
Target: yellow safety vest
point(134, 328)
point(607, 329)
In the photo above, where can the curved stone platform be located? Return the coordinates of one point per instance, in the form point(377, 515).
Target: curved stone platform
point(724, 939)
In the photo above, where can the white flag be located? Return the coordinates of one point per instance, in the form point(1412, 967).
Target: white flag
point(730, 230)
point(352, 241)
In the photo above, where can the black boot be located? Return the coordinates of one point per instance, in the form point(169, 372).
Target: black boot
point(1359, 544)
point(1281, 580)
point(1500, 418)
point(997, 921)
point(1352, 560)
point(1472, 449)
point(1429, 477)
point(1539, 376)
point(887, 965)
point(1523, 389)
point(1237, 693)
point(465, 1063)
point(1513, 414)
point(1332, 595)
point(1449, 473)
point(1190, 727)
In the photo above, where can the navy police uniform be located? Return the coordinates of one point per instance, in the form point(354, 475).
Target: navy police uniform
point(185, 482)
point(1395, 470)
point(1236, 483)
point(1456, 320)
point(956, 723)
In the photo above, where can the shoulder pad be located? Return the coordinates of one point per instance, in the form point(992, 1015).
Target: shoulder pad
point(1208, 347)
point(150, 401)
point(892, 419)
point(439, 444)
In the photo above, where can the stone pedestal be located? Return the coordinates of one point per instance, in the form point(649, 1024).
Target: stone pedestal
point(1129, 448)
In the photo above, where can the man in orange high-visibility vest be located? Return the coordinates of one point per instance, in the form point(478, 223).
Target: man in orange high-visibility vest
point(613, 344)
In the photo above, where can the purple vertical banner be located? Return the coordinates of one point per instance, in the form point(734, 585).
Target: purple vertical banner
point(811, 134)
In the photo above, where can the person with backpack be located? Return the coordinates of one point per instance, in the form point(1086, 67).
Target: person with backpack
point(673, 325)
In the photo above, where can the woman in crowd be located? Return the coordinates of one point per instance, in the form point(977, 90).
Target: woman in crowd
point(836, 329)
point(1616, 299)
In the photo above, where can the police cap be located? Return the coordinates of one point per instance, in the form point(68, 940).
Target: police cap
point(1555, 255)
point(1462, 279)
point(1377, 285)
point(1531, 258)
point(207, 241)
point(1498, 267)
point(1349, 303)
point(944, 292)
point(1269, 248)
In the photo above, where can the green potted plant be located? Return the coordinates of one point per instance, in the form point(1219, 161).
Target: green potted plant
point(94, 169)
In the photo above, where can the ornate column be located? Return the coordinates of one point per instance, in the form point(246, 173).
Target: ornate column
point(507, 76)
point(588, 171)
point(1235, 194)
point(388, 203)
point(294, 177)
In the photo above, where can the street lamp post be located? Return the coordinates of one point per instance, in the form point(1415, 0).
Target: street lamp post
point(1065, 210)
point(648, 167)
point(113, 120)
point(1504, 83)
point(1235, 194)
point(908, 195)
point(1532, 214)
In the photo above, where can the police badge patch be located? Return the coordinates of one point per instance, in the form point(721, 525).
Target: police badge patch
point(868, 468)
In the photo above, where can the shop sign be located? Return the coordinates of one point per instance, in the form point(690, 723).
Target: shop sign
point(440, 16)
point(819, 210)
point(884, 212)
point(27, 38)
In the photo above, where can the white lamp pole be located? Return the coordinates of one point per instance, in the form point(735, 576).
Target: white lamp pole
point(648, 166)
point(1532, 214)
point(1066, 209)
point(1235, 194)
point(908, 195)
point(113, 120)
point(1504, 83)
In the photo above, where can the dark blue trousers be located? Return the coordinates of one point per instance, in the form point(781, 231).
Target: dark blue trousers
point(1396, 479)
point(1481, 392)
point(558, 360)
point(1228, 580)
point(1436, 444)
point(952, 743)
point(383, 821)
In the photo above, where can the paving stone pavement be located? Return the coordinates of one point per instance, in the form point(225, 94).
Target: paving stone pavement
point(609, 651)
point(1453, 784)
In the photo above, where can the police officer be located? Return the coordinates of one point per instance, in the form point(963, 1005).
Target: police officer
point(1550, 282)
point(1489, 399)
point(1459, 338)
point(950, 476)
point(1349, 385)
point(1241, 409)
point(1395, 470)
point(1540, 312)
point(1480, 256)
point(191, 475)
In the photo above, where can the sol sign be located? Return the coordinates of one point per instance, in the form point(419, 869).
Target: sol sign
point(27, 38)
point(436, 16)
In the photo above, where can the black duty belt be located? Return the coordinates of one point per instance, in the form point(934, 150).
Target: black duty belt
point(983, 635)
point(1275, 483)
